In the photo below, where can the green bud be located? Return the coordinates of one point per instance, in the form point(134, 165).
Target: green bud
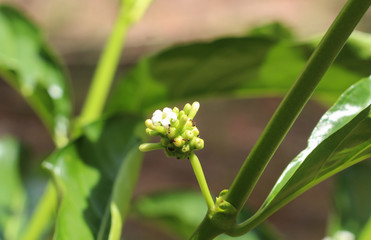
point(178, 141)
point(197, 143)
point(188, 134)
point(187, 108)
point(149, 124)
point(195, 131)
point(223, 193)
point(152, 132)
point(223, 214)
point(182, 122)
point(179, 136)
point(185, 148)
point(172, 132)
point(194, 110)
point(175, 123)
point(181, 113)
point(176, 110)
point(189, 123)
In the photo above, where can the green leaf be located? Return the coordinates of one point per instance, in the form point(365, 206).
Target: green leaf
point(200, 69)
point(273, 30)
point(95, 175)
point(351, 199)
point(171, 211)
point(255, 66)
point(29, 65)
point(341, 138)
point(12, 192)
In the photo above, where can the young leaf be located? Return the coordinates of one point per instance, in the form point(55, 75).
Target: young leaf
point(257, 65)
point(95, 175)
point(28, 64)
point(171, 210)
point(12, 192)
point(341, 138)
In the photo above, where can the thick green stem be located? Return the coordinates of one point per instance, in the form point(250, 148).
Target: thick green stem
point(206, 231)
point(42, 217)
point(295, 100)
point(201, 180)
point(104, 74)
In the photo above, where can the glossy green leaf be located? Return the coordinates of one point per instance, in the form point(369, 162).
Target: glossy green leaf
point(28, 64)
point(341, 138)
point(254, 66)
point(95, 175)
point(180, 212)
point(351, 200)
point(12, 192)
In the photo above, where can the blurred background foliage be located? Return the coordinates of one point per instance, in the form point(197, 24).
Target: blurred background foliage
point(78, 29)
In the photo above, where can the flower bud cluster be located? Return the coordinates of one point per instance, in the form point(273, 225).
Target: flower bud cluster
point(179, 135)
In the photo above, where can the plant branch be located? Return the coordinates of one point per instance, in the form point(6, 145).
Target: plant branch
point(295, 100)
point(201, 180)
point(105, 71)
point(206, 230)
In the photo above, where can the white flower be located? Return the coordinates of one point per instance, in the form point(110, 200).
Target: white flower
point(341, 235)
point(163, 117)
point(344, 235)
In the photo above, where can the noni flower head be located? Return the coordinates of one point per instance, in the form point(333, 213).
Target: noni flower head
point(164, 117)
point(179, 135)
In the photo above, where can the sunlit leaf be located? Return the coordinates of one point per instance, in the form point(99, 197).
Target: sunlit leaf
point(28, 64)
point(90, 172)
point(341, 138)
point(12, 192)
point(180, 212)
point(254, 66)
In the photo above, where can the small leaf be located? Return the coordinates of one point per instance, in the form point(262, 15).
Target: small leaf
point(29, 65)
point(341, 138)
point(180, 212)
point(89, 172)
point(12, 192)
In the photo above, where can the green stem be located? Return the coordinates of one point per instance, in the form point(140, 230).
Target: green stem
point(42, 217)
point(295, 100)
point(206, 231)
point(104, 74)
point(146, 147)
point(201, 180)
